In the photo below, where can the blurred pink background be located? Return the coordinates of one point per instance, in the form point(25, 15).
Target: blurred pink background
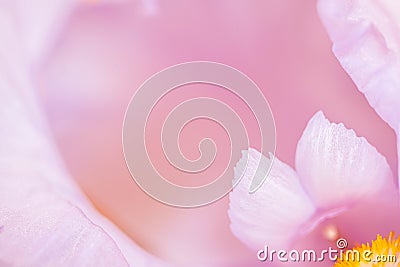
point(106, 51)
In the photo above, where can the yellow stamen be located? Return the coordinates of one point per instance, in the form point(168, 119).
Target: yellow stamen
point(383, 252)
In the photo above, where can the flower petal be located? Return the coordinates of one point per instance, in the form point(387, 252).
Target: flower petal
point(336, 167)
point(45, 220)
point(40, 23)
point(398, 154)
point(275, 212)
point(366, 41)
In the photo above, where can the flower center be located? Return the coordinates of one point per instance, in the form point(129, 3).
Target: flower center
point(382, 252)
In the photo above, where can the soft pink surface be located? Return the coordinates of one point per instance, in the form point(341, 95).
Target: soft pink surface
point(365, 36)
point(45, 219)
point(106, 51)
point(339, 181)
point(366, 41)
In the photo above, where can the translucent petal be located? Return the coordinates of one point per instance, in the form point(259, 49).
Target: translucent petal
point(273, 214)
point(366, 41)
point(338, 168)
point(45, 220)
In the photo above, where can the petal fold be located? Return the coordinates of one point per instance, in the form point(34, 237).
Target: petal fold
point(276, 211)
point(45, 220)
point(366, 41)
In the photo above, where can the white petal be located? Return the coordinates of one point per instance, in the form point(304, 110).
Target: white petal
point(45, 220)
point(338, 168)
point(38, 23)
point(275, 212)
point(366, 41)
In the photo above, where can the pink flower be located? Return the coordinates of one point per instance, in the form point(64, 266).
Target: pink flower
point(84, 78)
point(341, 187)
point(366, 41)
point(45, 220)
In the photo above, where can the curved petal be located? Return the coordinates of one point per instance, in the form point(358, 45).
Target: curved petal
point(336, 167)
point(398, 153)
point(40, 22)
point(45, 220)
point(273, 214)
point(366, 41)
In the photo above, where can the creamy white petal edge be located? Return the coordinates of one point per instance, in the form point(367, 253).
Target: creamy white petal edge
point(273, 214)
point(366, 41)
point(45, 220)
point(337, 168)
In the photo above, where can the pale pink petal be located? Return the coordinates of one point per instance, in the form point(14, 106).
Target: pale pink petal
point(273, 214)
point(45, 220)
point(366, 41)
point(398, 153)
point(41, 22)
point(38, 23)
point(338, 168)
